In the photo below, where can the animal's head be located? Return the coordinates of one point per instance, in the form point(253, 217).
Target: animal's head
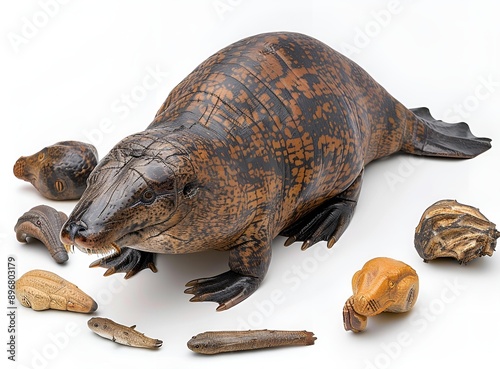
point(139, 191)
point(59, 171)
point(384, 284)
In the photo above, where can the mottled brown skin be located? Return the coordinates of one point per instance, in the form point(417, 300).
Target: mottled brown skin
point(43, 223)
point(268, 136)
point(59, 171)
point(382, 285)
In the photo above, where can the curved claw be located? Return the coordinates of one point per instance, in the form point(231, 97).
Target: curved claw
point(128, 261)
point(226, 289)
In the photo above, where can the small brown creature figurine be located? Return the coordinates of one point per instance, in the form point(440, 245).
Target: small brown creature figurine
point(121, 334)
point(210, 343)
point(382, 285)
point(267, 137)
point(60, 171)
point(450, 229)
point(42, 290)
point(43, 223)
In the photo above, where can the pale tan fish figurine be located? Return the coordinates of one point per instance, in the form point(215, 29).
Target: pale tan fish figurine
point(121, 334)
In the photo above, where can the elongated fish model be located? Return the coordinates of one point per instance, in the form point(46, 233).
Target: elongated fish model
point(121, 334)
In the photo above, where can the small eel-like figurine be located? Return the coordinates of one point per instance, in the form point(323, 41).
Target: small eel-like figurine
point(59, 171)
point(42, 290)
point(382, 285)
point(228, 341)
point(122, 334)
point(43, 223)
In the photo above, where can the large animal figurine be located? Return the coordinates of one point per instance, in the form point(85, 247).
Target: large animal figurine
point(267, 137)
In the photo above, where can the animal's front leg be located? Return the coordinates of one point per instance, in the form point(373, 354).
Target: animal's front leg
point(129, 261)
point(248, 264)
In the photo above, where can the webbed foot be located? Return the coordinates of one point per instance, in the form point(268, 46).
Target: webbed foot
point(129, 261)
point(227, 289)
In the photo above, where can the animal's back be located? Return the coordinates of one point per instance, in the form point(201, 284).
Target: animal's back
point(295, 109)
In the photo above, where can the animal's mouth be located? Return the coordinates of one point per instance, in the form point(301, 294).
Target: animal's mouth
point(100, 250)
point(105, 248)
point(370, 306)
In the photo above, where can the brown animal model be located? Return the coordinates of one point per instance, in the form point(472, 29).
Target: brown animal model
point(43, 223)
point(267, 137)
point(59, 171)
point(382, 285)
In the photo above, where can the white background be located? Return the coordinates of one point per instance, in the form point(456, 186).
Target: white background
point(97, 71)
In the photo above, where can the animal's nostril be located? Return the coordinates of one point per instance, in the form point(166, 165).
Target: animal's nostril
point(75, 228)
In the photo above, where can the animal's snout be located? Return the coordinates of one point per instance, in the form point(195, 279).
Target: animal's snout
point(72, 230)
point(366, 305)
point(19, 168)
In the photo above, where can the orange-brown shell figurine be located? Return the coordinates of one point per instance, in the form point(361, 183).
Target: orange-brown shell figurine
point(59, 171)
point(382, 285)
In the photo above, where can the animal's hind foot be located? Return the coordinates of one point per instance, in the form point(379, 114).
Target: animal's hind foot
point(129, 261)
point(226, 289)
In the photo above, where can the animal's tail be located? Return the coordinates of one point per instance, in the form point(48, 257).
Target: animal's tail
point(430, 137)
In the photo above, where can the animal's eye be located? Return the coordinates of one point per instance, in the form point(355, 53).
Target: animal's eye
point(148, 196)
point(190, 190)
point(41, 156)
point(391, 284)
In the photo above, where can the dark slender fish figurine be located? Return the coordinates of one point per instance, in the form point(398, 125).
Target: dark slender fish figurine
point(267, 137)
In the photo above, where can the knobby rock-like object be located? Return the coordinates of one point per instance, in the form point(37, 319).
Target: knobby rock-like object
point(42, 290)
point(450, 229)
point(43, 223)
point(59, 171)
point(268, 136)
point(382, 285)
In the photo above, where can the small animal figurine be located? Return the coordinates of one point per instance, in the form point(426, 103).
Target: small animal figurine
point(43, 223)
point(450, 229)
point(59, 171)
point(216, 342)
point(267, 137)
point(121, 334)
point(382, 285)
point(42, 290)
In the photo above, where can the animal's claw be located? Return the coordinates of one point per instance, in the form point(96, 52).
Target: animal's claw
point(326, 223)
point(128, 261)
point(227, 289)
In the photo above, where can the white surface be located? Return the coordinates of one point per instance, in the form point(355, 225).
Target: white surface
point(69, 77)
